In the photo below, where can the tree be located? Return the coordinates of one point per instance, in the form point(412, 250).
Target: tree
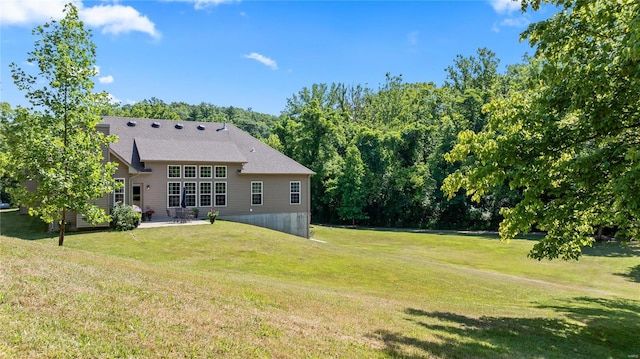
point(569, 140)
point(353, 194)
point(55, 143)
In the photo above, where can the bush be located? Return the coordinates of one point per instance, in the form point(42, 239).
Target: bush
point(124, 218)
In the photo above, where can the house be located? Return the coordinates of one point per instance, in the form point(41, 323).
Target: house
point(162, 162)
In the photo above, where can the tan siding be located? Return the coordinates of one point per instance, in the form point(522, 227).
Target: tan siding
point(275, 191)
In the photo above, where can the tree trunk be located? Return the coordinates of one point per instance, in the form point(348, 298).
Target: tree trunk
point(599, 237)
point(62, 226)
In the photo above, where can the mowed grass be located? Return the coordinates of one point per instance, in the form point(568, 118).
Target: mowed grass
point(233, 290)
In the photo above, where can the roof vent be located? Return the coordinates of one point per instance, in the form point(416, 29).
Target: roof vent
point(224, 126)
point(201, 127)
point(132, 123)
point(179, 126)
point(155, 125)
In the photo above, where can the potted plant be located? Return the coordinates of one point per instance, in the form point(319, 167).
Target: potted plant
point(213, 214)
point(195, 212)
point(147, 214)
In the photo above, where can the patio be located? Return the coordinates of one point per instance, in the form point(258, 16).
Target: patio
point(165, 222)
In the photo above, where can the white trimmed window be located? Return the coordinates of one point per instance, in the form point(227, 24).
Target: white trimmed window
point(256, 193)
point(118, 193)
point(190, 171)
point(190, 194)
point(173, 194)
point(173, 171)
point(294, 192)
point(220, 194)
point(206, 172)
point(205, 194)
point(220, 171)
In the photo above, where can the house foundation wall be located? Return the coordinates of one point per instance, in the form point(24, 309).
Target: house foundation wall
point(292, 223)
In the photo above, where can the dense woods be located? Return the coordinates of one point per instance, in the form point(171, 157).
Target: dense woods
point(379, 153)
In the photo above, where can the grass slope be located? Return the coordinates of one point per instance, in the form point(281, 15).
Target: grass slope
point(232, 290)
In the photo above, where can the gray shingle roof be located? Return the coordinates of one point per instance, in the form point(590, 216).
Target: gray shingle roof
point(159, 140)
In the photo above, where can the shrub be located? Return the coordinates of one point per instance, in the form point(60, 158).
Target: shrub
point(124, 218)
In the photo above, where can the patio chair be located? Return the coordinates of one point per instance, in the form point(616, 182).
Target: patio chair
point(174, 217)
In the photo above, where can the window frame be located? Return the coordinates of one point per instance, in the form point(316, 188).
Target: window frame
point(208, 194)
point(254, 193)
point(292, 192)
point(170, 195)
point(215, 172)
point(191, 167)
point(200, 168)
point(189, 194)
point(169, 171)
point(223, 194)
point(122, 191)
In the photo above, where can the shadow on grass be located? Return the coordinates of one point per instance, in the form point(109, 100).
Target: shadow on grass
point(23, 226)
point(633, 274)
point(586, 328)
point(613, 249)
point(534, 236)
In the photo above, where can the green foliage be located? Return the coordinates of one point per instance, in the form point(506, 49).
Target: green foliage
point(212, 215)
point(567, 141)
point(55, 143)
point(124, 218)
point(351, 188)
point(379, 154)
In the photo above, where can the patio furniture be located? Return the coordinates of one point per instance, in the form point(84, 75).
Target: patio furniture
point(174, 217)
point(180, 215)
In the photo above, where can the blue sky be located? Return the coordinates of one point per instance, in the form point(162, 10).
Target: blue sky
point(256, 54)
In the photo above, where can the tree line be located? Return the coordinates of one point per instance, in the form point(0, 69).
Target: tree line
point(379, 154)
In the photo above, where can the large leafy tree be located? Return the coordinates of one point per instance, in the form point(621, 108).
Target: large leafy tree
point(569, 140)
point(55, 143)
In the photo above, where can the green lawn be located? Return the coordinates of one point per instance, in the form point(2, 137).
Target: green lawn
point(233, 290)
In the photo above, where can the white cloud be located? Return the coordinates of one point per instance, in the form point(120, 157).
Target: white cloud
point(106, 79)
point(29, 12)
point(117, 19)
point(516, 22)
point(114, 19)
point(201, 4)
point(263, 60)
point(113, 100)
point(505, 6)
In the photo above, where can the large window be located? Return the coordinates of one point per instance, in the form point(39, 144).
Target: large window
point(221, 194)
point(173, 171)
point(205, 172)
point(205, 194)
point(173, 194)
point(190, 172)
point(294, 187)
point(118, 193)
point(256, 193)
point(190, 194)
point(221, 171)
